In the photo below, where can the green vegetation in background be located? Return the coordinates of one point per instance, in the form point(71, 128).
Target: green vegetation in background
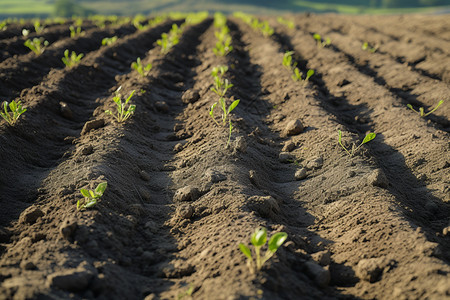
point(68, 8)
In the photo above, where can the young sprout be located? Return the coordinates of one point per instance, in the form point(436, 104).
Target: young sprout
point(168, 40)
point(73, 60)
point(287, 60)
point(367, 47)
point(3, 25)
point(109, 40)
point(421, 111)
point(37, 45)
point(91, 197)
point(38, 27)
point(221, 85)
point(321, 43)
point(370, 136)
point(309, 74)
point(143, 70)
point(16, 110)
point(258, 240)
point(75, 31)
point(123, 113)
point(25, 32)
point(288, 23)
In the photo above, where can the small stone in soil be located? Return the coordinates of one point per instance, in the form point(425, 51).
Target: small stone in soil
point(162, 106)
point(293, 127)
point(322, 257)
point(240, 144)
point(300, 174)
point(190, 96)
point(187, 193)
point(144, 175)
point(288, 146)
point(315, 162)
point(87, 150)
point(65, 110)
point(284, 157)
point(185, 211)
point(67, 228)
point(27, 265)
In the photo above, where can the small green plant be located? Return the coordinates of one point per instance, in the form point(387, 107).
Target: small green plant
point(37, 45)
point(109, 40)
point(223, 45)
point(365, 46)
point(221, 85)
point(187, 293)
point(38, 27)
point(298, 75)
point(16, 110)
point(123, 113)
point(137, 22)
point(143, 70)
point(370, 136)
point(421, 111)
point(25, 32)
point(168, 40)
point(288, 23)
point(258, 240)
point(320, 42)
point(75, 31)
point(3, 25)
point(287, 60)
point(71, 60)
point(91, 197)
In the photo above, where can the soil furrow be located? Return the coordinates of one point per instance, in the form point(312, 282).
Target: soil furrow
point(409, 86)
point(29, 70)
point(229, 200)
point(15, 46)
point(373, 111)
point(41, 150)
point(401, 186)
point(126, 236)
point(423, 59)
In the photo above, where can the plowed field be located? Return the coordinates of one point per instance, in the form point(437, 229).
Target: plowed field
point(179, 200)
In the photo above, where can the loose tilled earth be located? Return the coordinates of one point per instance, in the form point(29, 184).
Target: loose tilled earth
point(178, 201)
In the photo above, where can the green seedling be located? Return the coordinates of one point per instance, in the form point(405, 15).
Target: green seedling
point(168, 40)
point(365, 46)
point(421, 111)
point(223, 45)
point(321, 43)
point(123, 113)
point(71, 60)
point(137, 22)
point(258, 240)
point(25, 32)
point(370, 136)
point(38, 27)
point(143, 70)
point(288, 23)
point(287, 60)
point(298, 75)
point(3, 25)
point(220, 20)
point(109, 40)
point(91, 197)
point(37, 45)
point(13, 115)
point(75, 31)
point(221, 85)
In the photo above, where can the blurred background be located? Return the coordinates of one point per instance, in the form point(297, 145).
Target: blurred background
point(68, 8)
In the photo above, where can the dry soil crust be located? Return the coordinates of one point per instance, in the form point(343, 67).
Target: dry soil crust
point(179, 201)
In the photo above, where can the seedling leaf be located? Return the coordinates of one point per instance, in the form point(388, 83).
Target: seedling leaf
point(101, 188)
point(370, 136)
point(259, 237)
point(233, 105)
point(276, 241)
point(85, 193)
point(245, 250)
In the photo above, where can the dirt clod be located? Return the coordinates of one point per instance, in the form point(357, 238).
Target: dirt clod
point(91, 125)
point(371, 269)
point(67, 228)
point(70, 280)
point(185, 211)
point(293, 127)
point(30, 215)
point(284, 157)
point(187, 193)
point(300, 174)
point(66, 112)
point(288, 146)
point(190, 96)
point(323, 258)
point(266, 206)
point(144, 175)
point(162, 106)
point(315, 162)
point(378, 178)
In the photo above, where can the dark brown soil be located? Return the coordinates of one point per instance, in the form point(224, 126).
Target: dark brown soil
point(179, 201)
